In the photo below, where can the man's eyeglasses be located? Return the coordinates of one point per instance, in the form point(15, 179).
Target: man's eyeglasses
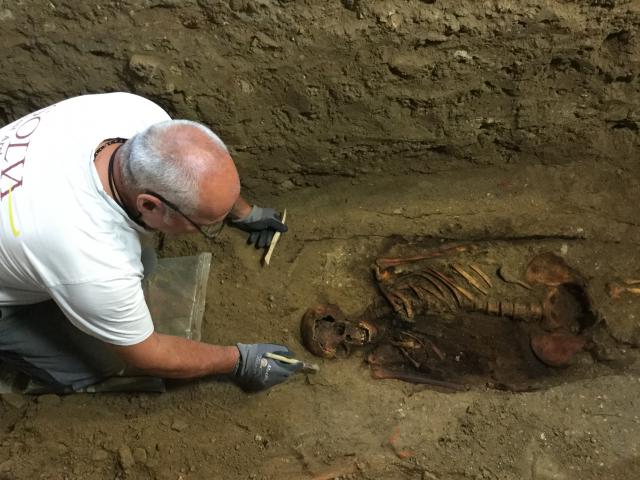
point(208, 231)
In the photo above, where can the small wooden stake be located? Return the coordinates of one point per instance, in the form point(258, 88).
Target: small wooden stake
point(276, 236)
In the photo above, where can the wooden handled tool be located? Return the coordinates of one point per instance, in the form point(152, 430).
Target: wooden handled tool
point(306, 367)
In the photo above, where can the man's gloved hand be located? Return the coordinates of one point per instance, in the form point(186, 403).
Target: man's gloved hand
point(255, 372)
point(261, 224)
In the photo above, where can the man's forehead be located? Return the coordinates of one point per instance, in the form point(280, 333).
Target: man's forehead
point(219, 191)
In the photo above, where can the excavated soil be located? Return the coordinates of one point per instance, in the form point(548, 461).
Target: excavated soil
point(375, 123)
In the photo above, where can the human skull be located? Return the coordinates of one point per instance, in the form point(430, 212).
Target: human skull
point(326, 332)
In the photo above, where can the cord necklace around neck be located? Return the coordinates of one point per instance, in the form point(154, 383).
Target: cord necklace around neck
point(119, 199)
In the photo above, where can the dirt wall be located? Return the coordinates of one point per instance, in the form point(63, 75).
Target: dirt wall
point(306, 90)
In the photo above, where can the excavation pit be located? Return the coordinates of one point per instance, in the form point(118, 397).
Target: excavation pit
point(452, 317)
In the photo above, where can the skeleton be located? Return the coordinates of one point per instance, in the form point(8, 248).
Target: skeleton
point(448, 320)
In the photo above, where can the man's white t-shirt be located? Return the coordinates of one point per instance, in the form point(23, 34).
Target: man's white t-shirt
point(61, 235)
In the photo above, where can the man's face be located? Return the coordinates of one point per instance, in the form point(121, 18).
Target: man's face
point(217, 197)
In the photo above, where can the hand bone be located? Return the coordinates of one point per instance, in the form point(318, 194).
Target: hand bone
point(615, 290)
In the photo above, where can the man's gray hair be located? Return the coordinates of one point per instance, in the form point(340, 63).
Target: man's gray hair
point(151, 162)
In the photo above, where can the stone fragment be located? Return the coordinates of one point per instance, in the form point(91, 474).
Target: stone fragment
point(462, 56)
point(14, 400)
point(100, 455)
point(242, 6)
point(245, 86)
point(264, 41)
point(433, 38)
point(144, 66)
point(286, 186)
point(395, 20)
point(6, 467)
point(6, 14)
point(405, 65)
point(125, 457)
point(140, 455)
point(179, 425)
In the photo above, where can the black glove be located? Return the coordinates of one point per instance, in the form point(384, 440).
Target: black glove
point(261, 224)
point(256, 372)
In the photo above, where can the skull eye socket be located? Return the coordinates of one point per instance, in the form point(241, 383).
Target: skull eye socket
point(340, 329)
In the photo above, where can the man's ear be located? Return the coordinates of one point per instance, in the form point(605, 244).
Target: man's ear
point(149, 204)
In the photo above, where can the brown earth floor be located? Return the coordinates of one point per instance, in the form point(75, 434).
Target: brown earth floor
point(340, 423)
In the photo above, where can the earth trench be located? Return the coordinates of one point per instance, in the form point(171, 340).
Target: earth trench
point(376, 124)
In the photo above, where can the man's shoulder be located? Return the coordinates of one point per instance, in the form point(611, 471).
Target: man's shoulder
point(123, 97)
point(105, 115)
point(115, 101)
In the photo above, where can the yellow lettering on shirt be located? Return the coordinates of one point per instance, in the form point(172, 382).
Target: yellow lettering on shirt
point(16, 232)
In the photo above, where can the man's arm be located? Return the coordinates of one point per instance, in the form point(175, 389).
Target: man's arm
point(174, 357)
point(168, 356)
point(123, 313)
